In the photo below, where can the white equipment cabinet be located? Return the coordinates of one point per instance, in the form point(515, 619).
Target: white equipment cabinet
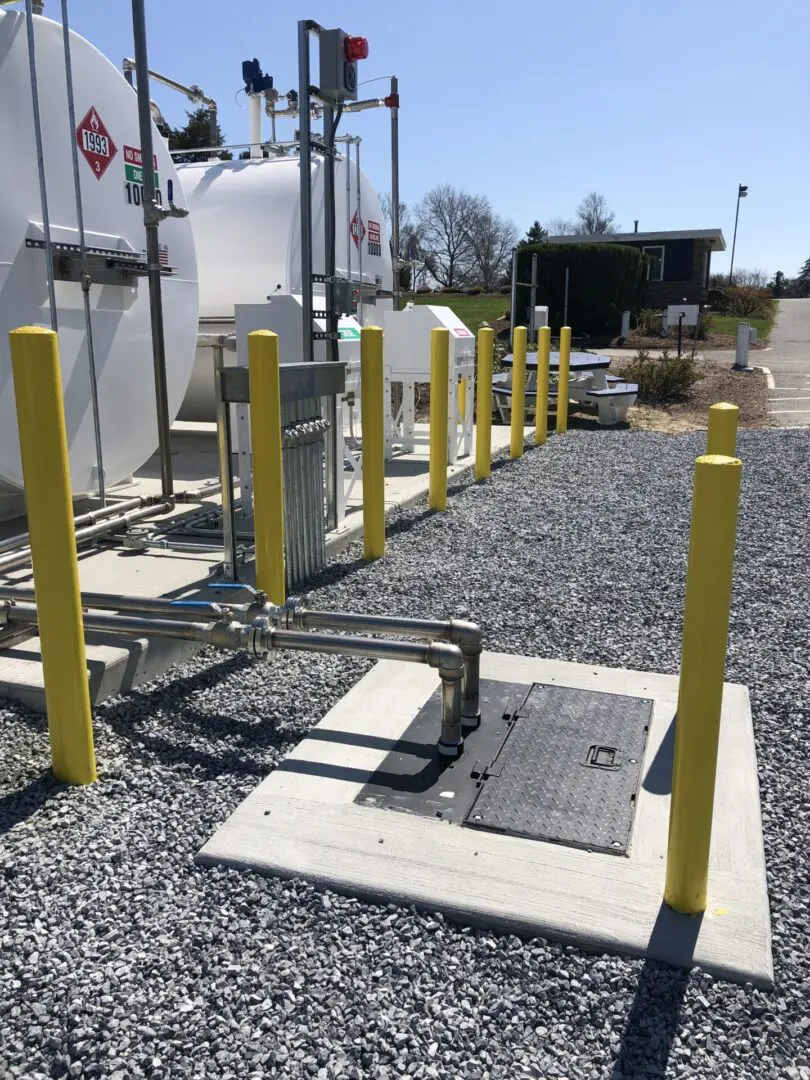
point(407, 362)
point(282, 315)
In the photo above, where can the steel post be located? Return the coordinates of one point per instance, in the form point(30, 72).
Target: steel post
point(151, 219)
point(541, 404)
point(439, 376)
point(372, 410)
point(224, 453)
point(563, 379)
point(518, 419)
point(268, 482)
point(49, 503)
point(703, 657)
point(483, 419)
point(395, 189)
point(305, 165)
point(722, 436)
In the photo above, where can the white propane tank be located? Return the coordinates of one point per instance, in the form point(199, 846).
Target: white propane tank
point(247, 231)
point(109, 164)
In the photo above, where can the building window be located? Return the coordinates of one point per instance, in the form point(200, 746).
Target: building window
point(655, 262)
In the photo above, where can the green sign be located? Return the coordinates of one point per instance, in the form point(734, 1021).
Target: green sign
point(134, 173)
point(348, 333)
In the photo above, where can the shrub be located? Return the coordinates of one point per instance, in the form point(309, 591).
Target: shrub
point(505, 290)
point(744, 301)
point(423, 290)
point(476, 290)
point(649, 323)
point(604, 280)
point(662, 381)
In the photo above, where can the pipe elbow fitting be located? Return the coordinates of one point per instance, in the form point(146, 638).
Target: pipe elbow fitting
point(448, 658)
point(467, 635)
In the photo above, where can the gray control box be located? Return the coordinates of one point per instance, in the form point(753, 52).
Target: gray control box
point(338, 80)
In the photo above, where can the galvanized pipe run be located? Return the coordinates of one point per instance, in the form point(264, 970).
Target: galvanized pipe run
point(466, 635)
point(88, 518)
point(115, 602)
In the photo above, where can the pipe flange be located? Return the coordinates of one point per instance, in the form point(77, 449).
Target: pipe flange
point(291, 615)
point(5, 608)
point(257, 638)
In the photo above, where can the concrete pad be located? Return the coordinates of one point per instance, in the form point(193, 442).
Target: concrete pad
point(302, 822)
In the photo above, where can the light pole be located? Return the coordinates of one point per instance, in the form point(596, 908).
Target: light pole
point(742, 191)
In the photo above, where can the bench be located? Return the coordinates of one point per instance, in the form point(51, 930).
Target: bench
point(614, 402)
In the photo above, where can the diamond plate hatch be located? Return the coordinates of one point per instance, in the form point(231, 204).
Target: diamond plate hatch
point(568, 770)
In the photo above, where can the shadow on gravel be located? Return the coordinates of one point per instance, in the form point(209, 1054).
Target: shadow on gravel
point(18, 806)
point(656, 1011)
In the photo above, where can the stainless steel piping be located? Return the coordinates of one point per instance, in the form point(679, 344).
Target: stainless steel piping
point(143, 604)
point(88, 321)
point(152, 217)
point(20, 558)
point(88, 518)
point(43, 192)
point(466, 635)
point(260, 638)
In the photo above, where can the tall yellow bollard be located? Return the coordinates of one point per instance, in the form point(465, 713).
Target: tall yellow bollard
point(722, 437)
point(462, 400)
point(439, 390)
point(563, 380)
point(541, 411)
point(372, 410)
point(48, 499)
point(483, 412)
point(703, 656)
point(268, 474)
point(518, 392)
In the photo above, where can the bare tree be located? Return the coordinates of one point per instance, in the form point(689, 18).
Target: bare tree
point(445, 218)
point(492, 238)
point(756, 278)
point(560, 227)
point(594, 216)
point(409, 242)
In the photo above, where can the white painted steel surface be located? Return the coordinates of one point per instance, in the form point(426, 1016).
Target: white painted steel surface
point(247, 229)
point(113, 219)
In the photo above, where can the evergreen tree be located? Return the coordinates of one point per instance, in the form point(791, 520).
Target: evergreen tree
point(197, 132)
point(535, 234)
point(803, 280)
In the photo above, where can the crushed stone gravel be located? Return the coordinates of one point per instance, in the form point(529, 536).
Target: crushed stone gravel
point(120, 958)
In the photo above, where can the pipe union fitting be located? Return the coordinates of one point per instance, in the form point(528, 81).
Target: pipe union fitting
point(257, 639)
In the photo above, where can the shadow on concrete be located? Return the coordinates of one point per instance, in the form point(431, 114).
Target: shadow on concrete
point(17, 806)
point(655, 1014)
point(658, 780)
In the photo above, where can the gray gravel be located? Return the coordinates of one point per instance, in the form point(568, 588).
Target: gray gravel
point(120, 958)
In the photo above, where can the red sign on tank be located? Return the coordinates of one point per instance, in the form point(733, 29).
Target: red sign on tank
point(358, 230)
point(95, 143)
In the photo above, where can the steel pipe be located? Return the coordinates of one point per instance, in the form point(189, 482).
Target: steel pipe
point(88, 518)
point(20, 558)
point(114, 602)
point(466, 635)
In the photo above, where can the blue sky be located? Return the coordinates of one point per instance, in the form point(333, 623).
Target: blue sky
point(662, 107)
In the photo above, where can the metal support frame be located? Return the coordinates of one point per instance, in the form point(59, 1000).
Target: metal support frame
point(151, 218)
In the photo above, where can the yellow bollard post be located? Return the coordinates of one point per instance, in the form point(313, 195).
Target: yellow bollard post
point(268, 475)
point(541, 411)
point(439, 390)
point(703, 657)
point(518, 392)
point(483, 419)
point(722, 437)
point(49, 503)
point(563, 380)
point(372, 404)
point(462, 400)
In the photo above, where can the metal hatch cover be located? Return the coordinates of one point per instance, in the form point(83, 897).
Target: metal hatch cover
point(568, 770)
point(547, 763)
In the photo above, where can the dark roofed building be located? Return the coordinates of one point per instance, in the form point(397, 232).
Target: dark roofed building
point(678, 262)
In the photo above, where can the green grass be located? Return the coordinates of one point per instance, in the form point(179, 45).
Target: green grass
point(472, 310)
point(727, 324)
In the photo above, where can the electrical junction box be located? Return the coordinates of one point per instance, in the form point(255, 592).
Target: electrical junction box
point(338, 78)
